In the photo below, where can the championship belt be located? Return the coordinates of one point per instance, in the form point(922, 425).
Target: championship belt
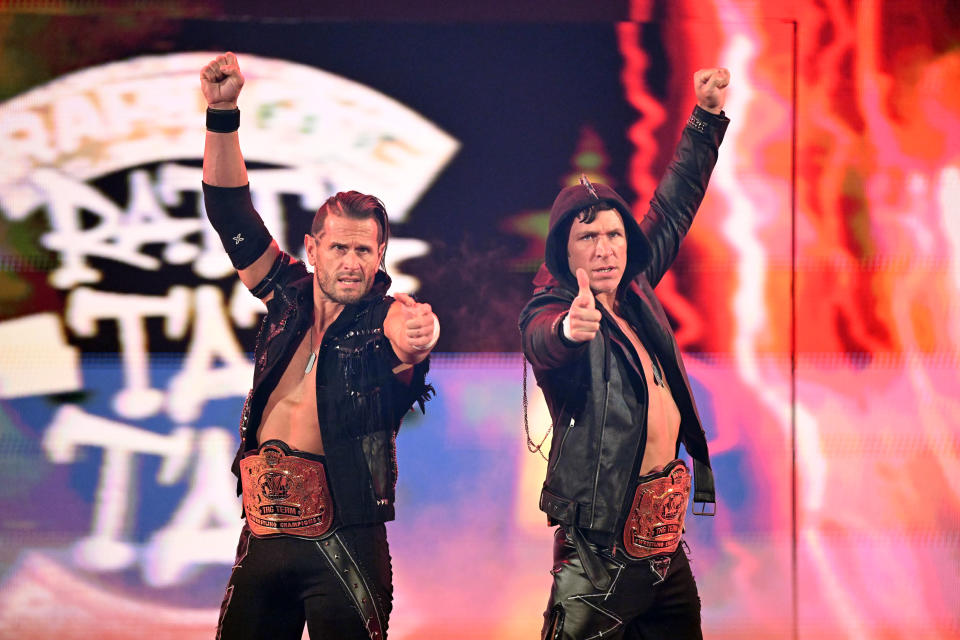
point(655, 522)
point(284, 493)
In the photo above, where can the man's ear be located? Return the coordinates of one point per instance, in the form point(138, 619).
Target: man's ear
point(310, 246)
point(380, 251)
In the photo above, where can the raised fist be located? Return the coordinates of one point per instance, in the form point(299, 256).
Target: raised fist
point(221, 81)
point(710, 86)
point(584, 316)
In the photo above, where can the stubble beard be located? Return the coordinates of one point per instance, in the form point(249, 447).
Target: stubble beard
point(328, 286)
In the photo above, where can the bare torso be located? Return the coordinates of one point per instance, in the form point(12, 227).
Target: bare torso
point(663, 417)
point(291, 411)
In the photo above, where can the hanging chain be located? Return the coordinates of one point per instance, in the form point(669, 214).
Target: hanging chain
point(532, 446)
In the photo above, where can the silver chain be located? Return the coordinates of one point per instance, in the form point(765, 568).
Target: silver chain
point(532, 446)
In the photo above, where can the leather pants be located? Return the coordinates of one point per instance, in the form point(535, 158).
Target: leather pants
point(639, 603)
point(339, 585)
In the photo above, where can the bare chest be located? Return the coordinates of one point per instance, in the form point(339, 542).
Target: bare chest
point(291, 410)
point(663, 416)
point(652, 374)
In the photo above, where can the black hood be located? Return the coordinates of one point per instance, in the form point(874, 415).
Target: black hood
point(569, 202)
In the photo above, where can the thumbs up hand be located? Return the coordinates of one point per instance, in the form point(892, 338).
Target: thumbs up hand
point(584, 317)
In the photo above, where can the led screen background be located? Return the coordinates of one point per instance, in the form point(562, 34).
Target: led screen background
point(816, 298)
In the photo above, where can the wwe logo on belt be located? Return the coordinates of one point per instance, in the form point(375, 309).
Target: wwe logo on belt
point(274, 485)
point(672, 506)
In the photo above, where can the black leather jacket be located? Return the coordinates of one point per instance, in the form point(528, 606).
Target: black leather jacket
point(595, 391)
point(360, 402)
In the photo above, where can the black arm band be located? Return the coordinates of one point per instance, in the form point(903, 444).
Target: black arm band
point(242, 232)
point(265, 286)
point(223, 120)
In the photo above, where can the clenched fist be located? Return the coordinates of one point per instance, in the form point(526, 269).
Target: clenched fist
point(584, 317)
point(221, 81)
point(710, 86)
point(420, 325)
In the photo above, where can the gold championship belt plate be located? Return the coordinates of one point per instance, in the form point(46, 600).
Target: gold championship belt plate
point(285, 494)
point(655, 522)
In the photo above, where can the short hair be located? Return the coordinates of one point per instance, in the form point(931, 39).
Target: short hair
point(357, 206)
point(589, 214)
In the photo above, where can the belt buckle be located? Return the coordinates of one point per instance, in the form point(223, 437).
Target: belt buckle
point(703, 509)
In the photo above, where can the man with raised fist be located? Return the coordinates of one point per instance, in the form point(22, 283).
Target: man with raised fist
point(336, 366)
point(606, 359)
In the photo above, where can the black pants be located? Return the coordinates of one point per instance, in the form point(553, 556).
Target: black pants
point(281, 582)
point(640, 604)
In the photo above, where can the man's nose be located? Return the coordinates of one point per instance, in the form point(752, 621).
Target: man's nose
point(604, 246)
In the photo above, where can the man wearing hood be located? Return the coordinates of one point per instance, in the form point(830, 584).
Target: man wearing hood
point(604, 354)
point(336, 366)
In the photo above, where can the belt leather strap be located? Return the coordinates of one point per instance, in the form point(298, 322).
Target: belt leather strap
point(597, 574)
point(355, 582)
point(704, 492)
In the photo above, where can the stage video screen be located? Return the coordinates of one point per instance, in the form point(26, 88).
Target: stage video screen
point(815, 300)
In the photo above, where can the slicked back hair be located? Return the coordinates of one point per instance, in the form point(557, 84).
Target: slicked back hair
point(356, 206)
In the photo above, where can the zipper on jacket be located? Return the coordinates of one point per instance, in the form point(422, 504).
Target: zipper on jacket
point(556, 460)
point(596, 475)
point(627, 498)
point(603, 421)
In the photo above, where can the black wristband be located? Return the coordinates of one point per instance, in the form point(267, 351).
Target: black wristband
point(223, 120)
point(265, 286)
